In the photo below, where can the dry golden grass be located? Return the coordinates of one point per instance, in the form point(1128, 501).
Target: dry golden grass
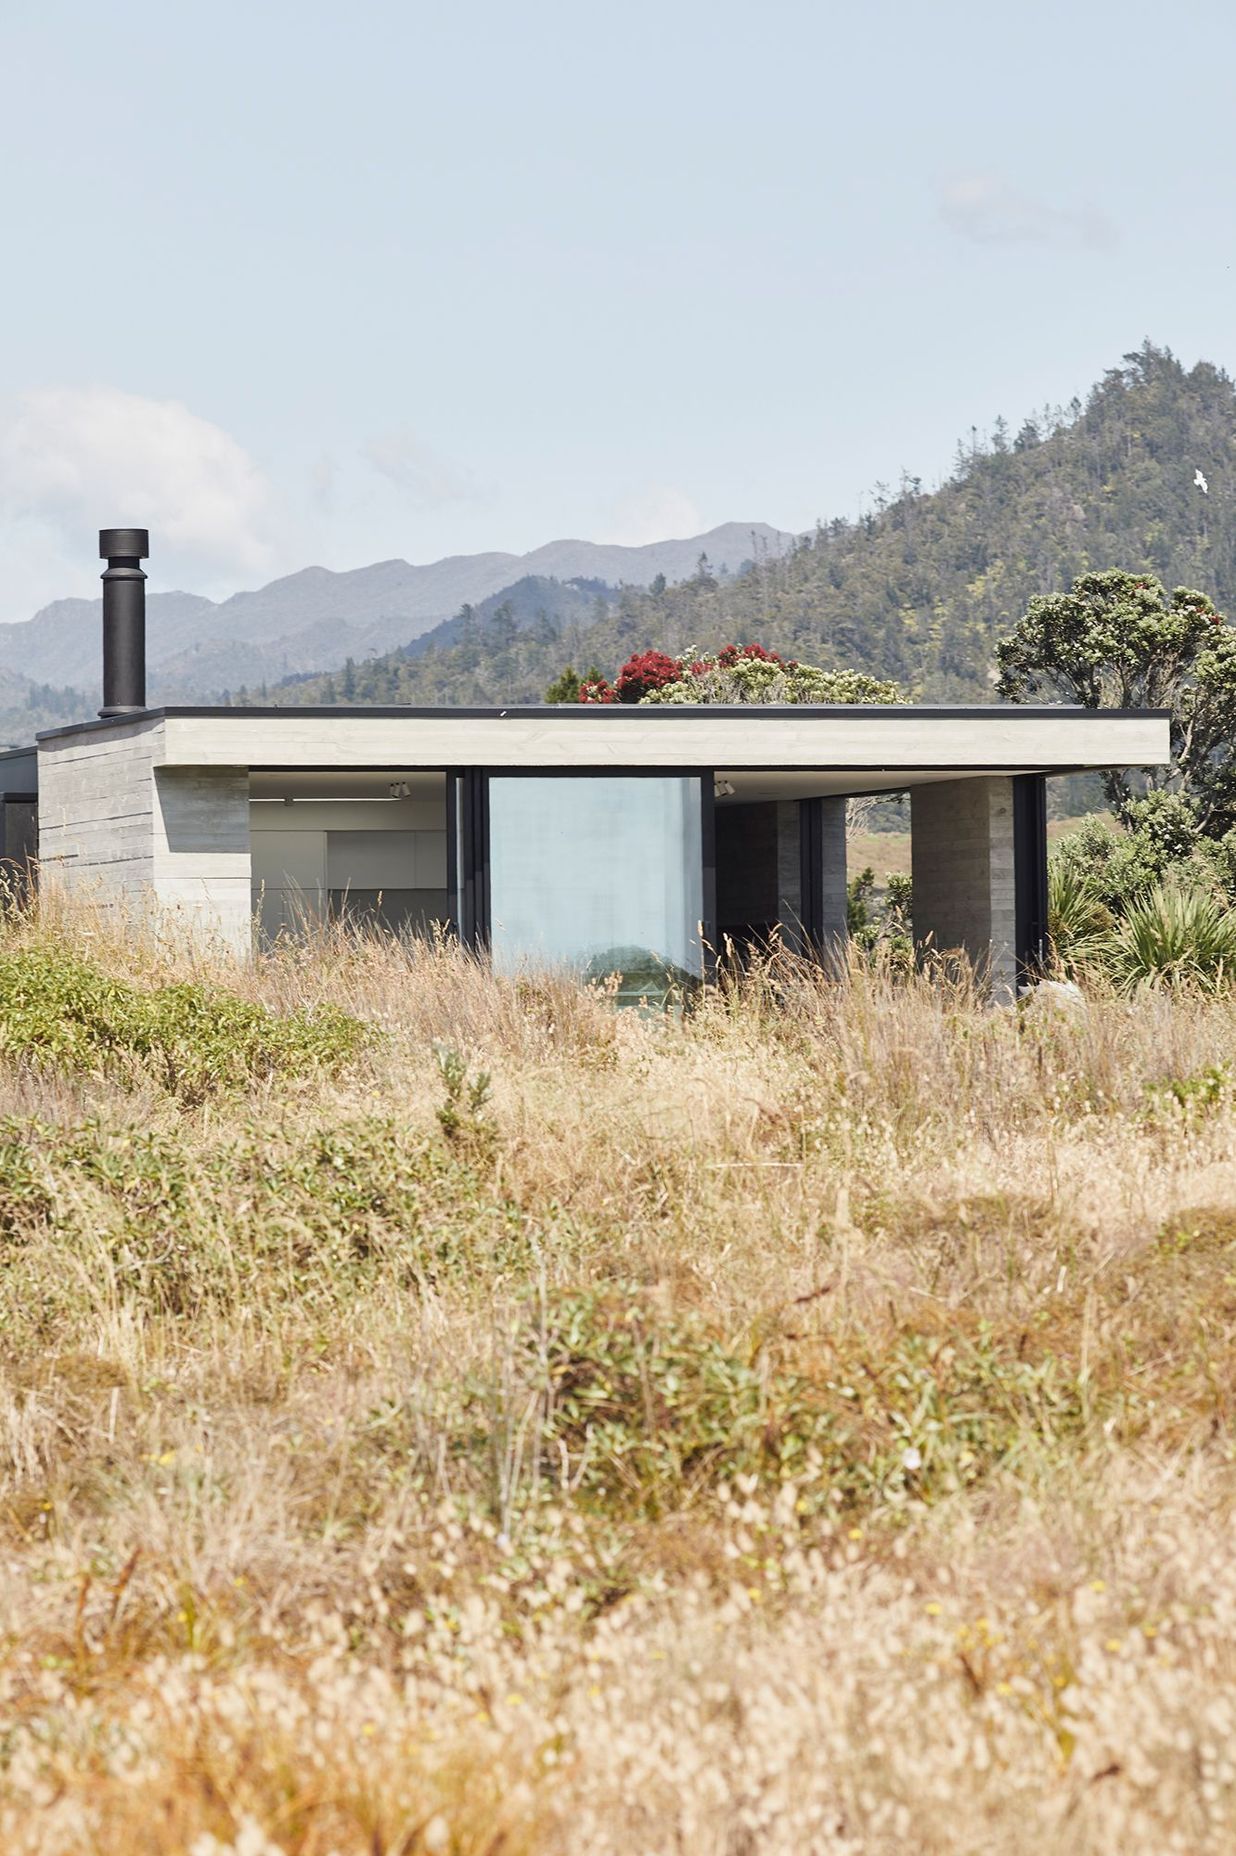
point(804, 1425)
point(888, 852)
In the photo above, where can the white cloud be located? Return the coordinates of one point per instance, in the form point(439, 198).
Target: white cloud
point(323, 479)
point(427, 479)
point(74, 460)
point(988, 211)
point(660, 512)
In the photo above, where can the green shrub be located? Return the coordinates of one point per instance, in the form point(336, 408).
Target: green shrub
point(882, 925)
point(1160, 842)
point(251, 1219)
point(1078, 920)
point(1173, 935)
point(643, 1409)
point(60, 1012)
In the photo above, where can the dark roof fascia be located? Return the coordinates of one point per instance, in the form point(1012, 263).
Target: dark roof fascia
point(655, 712)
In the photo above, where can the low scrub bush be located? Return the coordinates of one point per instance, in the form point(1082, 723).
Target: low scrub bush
point(257, 1216)
point(644, 1409)
point(60, 1012)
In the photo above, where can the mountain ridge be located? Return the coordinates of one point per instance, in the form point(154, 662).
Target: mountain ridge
point(316, 617)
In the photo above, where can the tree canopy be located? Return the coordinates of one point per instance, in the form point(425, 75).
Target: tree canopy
point(1120, 640)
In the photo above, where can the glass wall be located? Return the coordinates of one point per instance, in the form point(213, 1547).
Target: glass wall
point(598, 874)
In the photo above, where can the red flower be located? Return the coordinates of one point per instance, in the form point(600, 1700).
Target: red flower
point(645, 671)
point(730, 654)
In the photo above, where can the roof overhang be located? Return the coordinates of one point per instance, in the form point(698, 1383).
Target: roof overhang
point(857, 748)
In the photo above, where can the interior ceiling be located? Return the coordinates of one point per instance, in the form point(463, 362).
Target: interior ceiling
point(748, 785)
point(345, 783)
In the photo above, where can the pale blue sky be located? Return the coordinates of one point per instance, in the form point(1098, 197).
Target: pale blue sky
point(303, 282)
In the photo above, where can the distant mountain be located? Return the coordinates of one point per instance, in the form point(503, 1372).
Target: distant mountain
point(922, 587)
point(316, 619)
point(538, 607)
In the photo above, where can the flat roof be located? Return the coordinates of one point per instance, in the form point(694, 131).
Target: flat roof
point(662, 713)
point(848, 747)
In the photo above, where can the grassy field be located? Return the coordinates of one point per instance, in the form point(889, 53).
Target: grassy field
point(888, 852)
point(524, 1427)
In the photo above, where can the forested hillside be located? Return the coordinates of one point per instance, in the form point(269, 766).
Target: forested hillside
point(922, 586)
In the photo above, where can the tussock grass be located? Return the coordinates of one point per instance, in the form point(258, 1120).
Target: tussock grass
point(799, 1424)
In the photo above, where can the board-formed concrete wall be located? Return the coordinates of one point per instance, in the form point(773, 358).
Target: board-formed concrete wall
point(961, 849)
point(116, 828)
point(201, 859)
point(760, 873)
point(96, 810)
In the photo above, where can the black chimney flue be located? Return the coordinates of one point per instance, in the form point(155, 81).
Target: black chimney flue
point(124, 620)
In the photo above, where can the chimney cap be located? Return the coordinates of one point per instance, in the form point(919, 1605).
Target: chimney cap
point(124, 544)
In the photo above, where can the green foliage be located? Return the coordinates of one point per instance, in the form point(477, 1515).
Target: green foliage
point(1097, 872)
point(1078, 920)
point(1175, 936)
point(1119, 640)
point(1151, 901)
point(1197, 1095)
point(874, 922)
point(462, 1112)
point(759, 680)
point(257, 1215)
point(565, 686)
point(860, 903)
point(899, 902)
point(59, 1012)
point(643, 1408)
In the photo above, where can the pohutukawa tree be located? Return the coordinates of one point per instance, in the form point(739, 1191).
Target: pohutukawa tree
point(1122, 641)
point(745, 673)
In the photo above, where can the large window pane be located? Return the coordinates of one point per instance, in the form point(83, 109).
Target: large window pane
point(600, 875)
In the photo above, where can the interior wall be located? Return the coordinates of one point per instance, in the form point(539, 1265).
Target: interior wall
point(378, 860)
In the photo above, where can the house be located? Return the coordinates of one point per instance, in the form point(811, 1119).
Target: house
point(602, 838)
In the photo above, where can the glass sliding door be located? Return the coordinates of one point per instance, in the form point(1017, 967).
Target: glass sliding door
point(598, 874)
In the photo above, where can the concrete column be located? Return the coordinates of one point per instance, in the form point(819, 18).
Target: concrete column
point(789, 875)
point(201, 865)
point(833, 872)
point(962, 862)
point(820, 919)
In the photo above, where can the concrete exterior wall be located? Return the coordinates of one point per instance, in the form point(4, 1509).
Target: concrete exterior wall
point(114, 828)
point(200, 864)
point(96, 811)
point(964, 882)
